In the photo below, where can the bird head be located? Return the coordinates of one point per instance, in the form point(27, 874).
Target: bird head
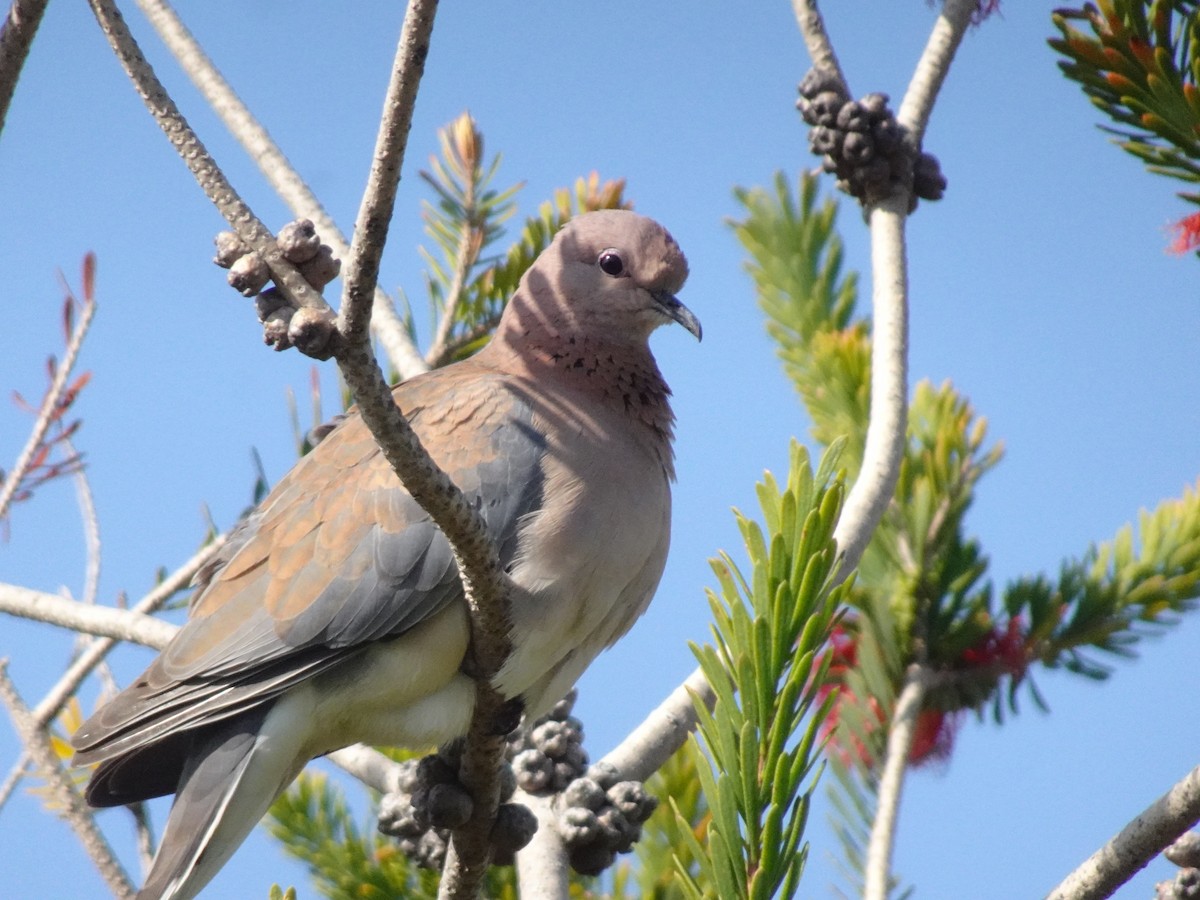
point(609, 275)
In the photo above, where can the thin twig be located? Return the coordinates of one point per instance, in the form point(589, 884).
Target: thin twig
point(386, 325)
point(202, 166)
point(73, 808)
point(95, 652)
point(91, 530)
point(15, 776)
point(468, 253)
point(47, 412)
point(379, 198)
point(891, 783)
point(16, 35)
point(145, 835)
point(1140, 841)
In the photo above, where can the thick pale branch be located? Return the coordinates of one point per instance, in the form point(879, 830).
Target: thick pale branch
point(664, 731)
point(1137, 843)
point(74, 809)
point(816, 39)
point(542, 868)
point(106, 621)
point(934, 65)
point(888, 422)
point(891, 783)
point(279, 172)
point(368, 765)
point(17, 33)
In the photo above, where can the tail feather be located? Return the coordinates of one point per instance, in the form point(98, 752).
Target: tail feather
point(228, 782)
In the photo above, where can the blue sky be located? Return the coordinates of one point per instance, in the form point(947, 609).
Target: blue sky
point(1039, 285)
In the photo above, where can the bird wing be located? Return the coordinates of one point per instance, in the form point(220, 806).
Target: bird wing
point(338, 555)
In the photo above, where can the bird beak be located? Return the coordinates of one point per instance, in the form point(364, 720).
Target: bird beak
point(668, 304)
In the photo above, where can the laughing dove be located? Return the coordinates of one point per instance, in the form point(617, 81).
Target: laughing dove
point(335, 614)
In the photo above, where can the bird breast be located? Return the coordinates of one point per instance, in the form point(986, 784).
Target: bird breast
point(590, 557)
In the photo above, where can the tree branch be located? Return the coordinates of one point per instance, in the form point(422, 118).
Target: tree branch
point(467, 255)
point(934, 64)
point(891, 783)
point(74, 810)
point(47, 411)
point(16, 35)
point(202, 166)
point(1140, 841)
point(122, 624)
point(95, 652)
point(542, 868)
point(887, 425)
point(279, 172)
point(816, 40)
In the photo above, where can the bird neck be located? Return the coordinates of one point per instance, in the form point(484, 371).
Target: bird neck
point(623, 377)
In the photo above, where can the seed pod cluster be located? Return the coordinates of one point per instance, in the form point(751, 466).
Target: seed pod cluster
point(861, 143)
point(429, 801)
point(283, 325)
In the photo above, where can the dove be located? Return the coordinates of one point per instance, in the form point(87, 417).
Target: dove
point(335, 613)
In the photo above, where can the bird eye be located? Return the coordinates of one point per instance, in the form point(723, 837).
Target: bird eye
point(611, 264)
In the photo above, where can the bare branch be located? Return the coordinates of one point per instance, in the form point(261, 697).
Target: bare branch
point(542, 869)
point(17, 33)
point(891, 783)
point(369, 766)
point(121, 624)
point(816, 40)
point(375, 213)
point(91, 531)
point(95, 652)
point(49, 408)
point(651, 744)
point(1140, 841)
point(467, 254)
point(73, 808)
point(279, 172)
point(934, 64)
point(202, 166)
point(888, 422)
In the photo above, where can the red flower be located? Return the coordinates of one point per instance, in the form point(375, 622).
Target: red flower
point(999, 651)
point(1187, 234)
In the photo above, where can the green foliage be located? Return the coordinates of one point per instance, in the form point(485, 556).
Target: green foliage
point(1139, 62)
point(345, 861)
point(921, 593)
point(1117, 592)
point(466, 288)
point(278, 893)
point(757, 768)
point(796, 263)
point(668, 836)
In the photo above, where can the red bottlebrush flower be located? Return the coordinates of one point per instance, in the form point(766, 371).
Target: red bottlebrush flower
point(1187, 234)
point(933, 739)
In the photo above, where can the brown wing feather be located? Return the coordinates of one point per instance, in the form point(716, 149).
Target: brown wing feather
point(338, 555)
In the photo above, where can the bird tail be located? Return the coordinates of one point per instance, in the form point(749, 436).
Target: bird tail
point(229, 780)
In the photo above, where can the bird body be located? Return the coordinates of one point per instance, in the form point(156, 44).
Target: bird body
point(335, 613)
